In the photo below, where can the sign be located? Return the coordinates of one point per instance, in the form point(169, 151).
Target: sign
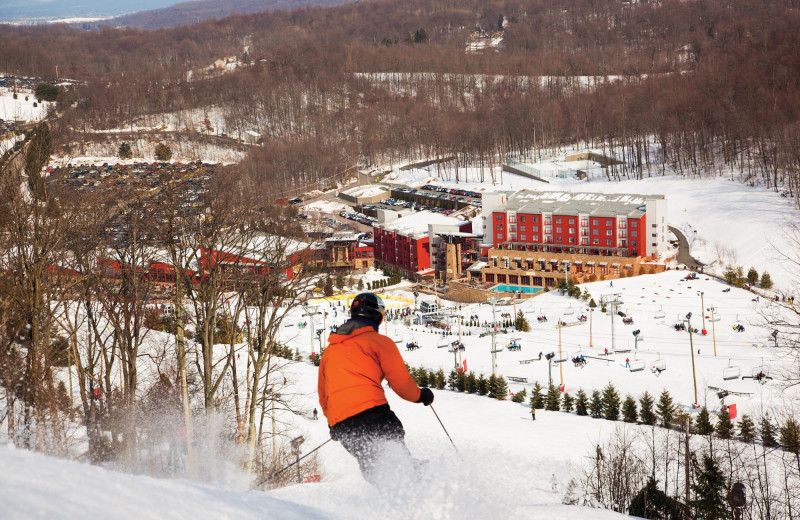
point(312, 478)
point(732, 411)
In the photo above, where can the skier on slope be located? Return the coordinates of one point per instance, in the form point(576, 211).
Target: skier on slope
point(353, 366)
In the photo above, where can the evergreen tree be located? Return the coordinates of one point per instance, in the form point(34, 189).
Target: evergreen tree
point(452, 380)
point(729, 275)
point(439, 380)
point(629, 414)
point(327, 289)
point(766, 281)
point(592, 304)
point(790, 436)
point(471, 383)
point(537, 398)
point(611, 402)
point(596, 404)
point(553, 399)
point(704, 426)
point(492, 384)
point(501, 390)
point(724, 426)
point(422, 374)
point(665, 409)
point(580, 402)
point(646, 414)
point(124, 151)
point(567, 402)
point(521, 323)
point(461, 381)
point(483, 385)
point(768, 439)
point(520, 396)
point(339, 281)
point(163, 152)
point(747, 430)
point(360, 284)
point(752, 276)
point(651, 502)
point(709, 489)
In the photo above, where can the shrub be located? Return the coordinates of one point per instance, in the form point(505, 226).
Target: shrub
point(163, 152)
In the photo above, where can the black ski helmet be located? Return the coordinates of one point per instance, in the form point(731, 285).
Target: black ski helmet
point(368, 305)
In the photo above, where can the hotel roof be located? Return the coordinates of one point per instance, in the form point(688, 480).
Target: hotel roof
point(416, 225)
point(565, 203)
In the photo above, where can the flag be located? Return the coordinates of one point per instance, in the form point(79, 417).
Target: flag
point(732, 411)
point(465, 366)
point(562, 387)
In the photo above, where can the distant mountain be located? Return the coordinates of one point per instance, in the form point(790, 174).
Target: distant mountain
point(186, 13)
point(39, 11)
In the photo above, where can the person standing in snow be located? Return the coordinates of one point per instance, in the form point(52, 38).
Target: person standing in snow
point(533, 413)
point(351, 395)
point(627, 362)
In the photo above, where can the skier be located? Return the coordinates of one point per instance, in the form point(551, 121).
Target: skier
point(533, 413)
point(627, 362)
point(315, 415)
point(352, 369)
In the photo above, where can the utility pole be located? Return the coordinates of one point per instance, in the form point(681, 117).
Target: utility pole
point(591, 312)
point(686, 459)
point(702, 308)
point(612, 300)
point(713, 330)
point(560, 355)
point(691, 348)
point(494, 333)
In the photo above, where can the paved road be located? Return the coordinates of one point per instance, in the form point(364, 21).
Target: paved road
point(683, 251)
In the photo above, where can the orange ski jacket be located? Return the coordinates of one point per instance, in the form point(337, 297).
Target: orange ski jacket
point(352, 369)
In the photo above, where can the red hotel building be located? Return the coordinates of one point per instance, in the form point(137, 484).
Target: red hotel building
point(404, 243)
point(534, 233)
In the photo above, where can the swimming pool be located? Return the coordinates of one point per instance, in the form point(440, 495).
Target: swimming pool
point(516, 288)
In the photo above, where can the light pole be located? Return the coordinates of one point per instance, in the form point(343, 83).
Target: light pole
point(691, 349)
point(713, 329)
point(702, 307)
point(591, 312)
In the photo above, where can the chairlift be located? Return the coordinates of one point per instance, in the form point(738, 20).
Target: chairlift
point(513, 344)
point(731, 372)
point(659, 365)
point(761, 369)
point(660, 314)
point(715, 316)
point(569, 310)
point(637, 365)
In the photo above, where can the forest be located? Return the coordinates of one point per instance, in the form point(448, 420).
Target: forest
point(700, 87)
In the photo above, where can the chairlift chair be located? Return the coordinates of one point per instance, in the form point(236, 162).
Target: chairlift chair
point(637, 365)
point(715, 316)
point(660, 313)
point(569, 310)
point(731, 372)
point(763, 369)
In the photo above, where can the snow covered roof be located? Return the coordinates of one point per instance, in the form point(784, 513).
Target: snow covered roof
point(366, 191)
point(566, 203)
point(417, 224)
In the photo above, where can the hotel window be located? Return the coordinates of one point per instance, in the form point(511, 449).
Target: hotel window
point(499, 235)
point(522, 228)
point(558, 220)
point(595, 222)
point(633, 234)
point(608, 232)
point(558, 239)
point(535, 228)
point(609, 222)
point(572, 231)
point(595, 231)
point(558, 230)
point(634, 243)
point(634, 223)
point(499, 227)
point(523, 237)
point(608, 242)
point(572, 221)
point(595, 241)
point(499, 218)
point(535, 219)
point(571, 240)
point(522, 218)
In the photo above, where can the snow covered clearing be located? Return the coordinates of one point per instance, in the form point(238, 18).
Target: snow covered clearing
point(21, 109)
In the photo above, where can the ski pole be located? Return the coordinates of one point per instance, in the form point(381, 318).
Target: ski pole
point(292, 464)
point(445, 430)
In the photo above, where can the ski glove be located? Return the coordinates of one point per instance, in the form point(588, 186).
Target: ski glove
point(425, 396)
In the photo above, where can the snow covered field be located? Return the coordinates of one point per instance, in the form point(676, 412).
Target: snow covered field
point(19, 109)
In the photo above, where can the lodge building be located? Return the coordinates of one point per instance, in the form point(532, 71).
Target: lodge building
point(536, 238)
